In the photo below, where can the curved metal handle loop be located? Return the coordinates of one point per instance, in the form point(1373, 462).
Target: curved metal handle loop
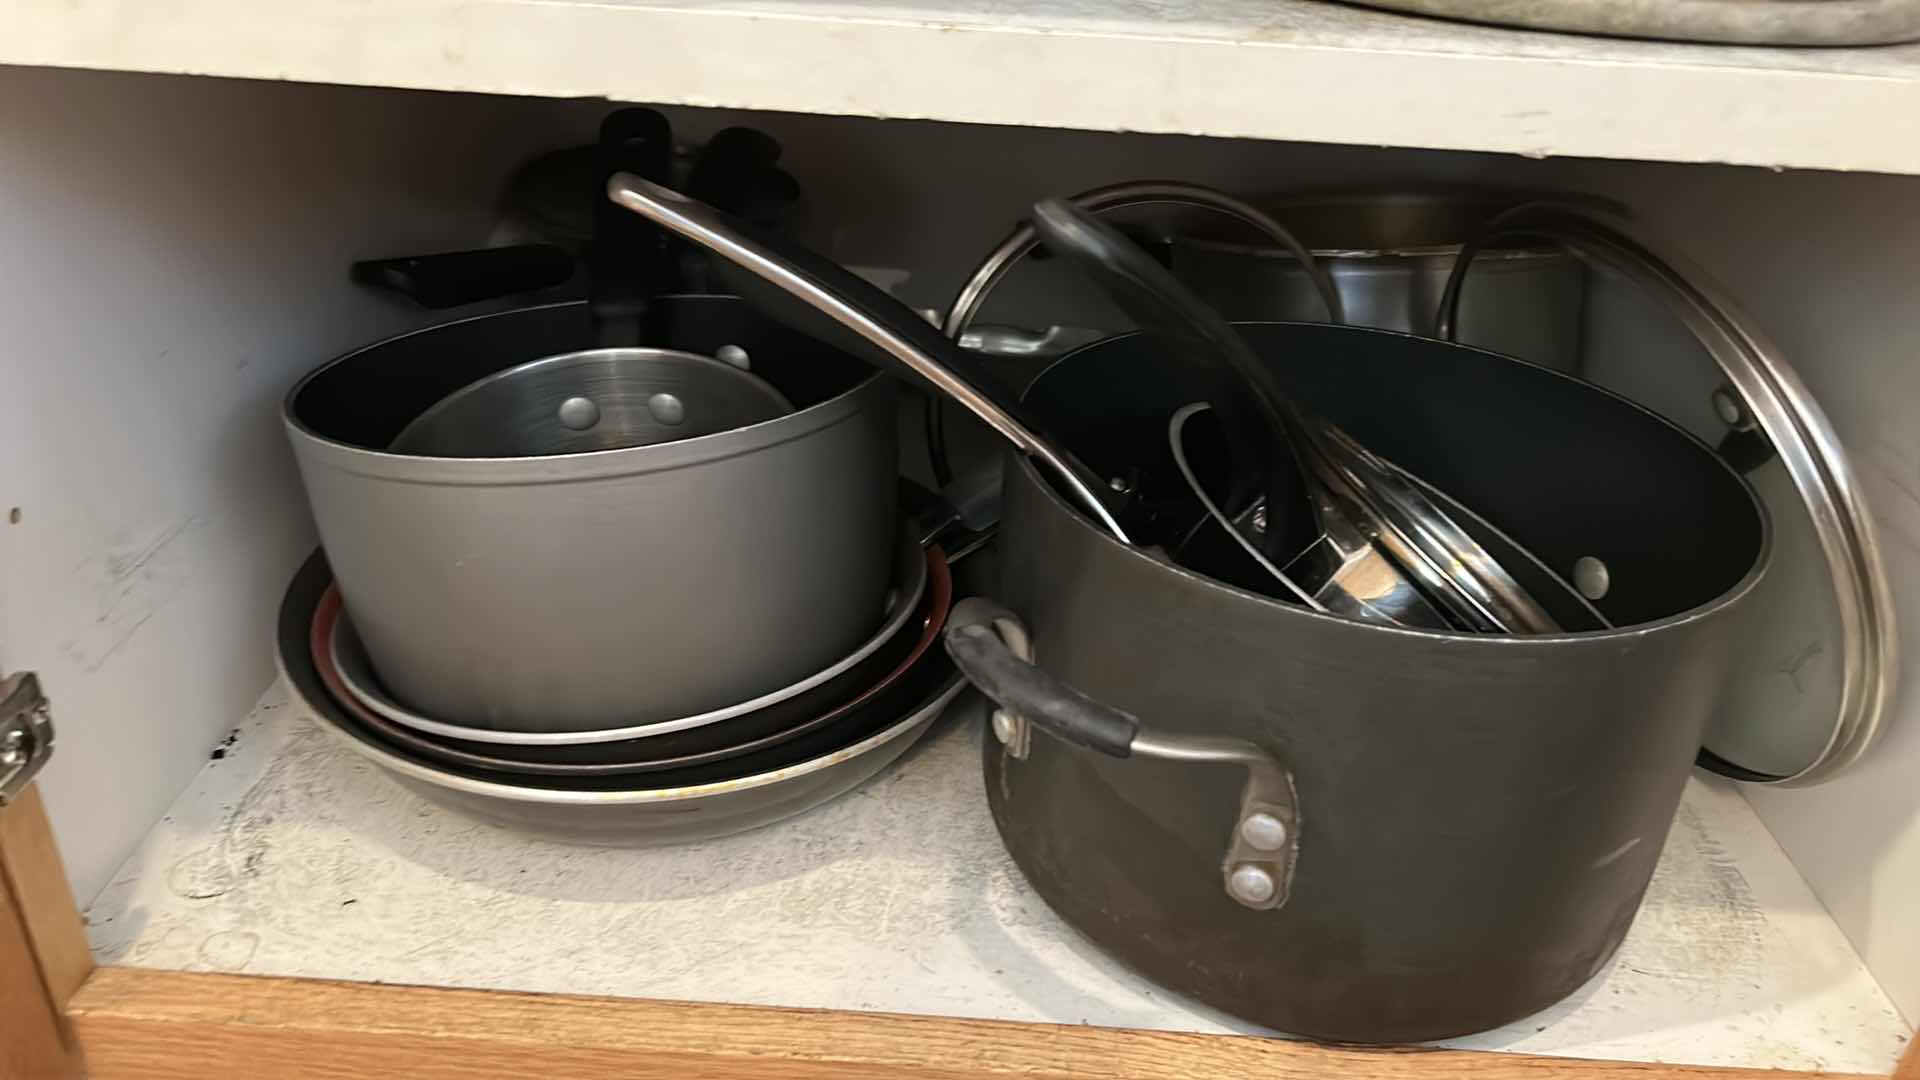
point(1785, 412)
point(1022, 240)
point(1538, 220)
point(993, 650)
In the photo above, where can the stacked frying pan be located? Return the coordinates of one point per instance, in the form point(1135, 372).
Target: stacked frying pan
point(690, 778)
point(610, 592)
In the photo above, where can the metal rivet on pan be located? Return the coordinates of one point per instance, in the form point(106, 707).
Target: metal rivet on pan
point(1260, 519)
point(579, 413)
point(1251, 884)
point(667, 409)
point(1119, 484)
point(1728, 408)
point(733, 354)
point(1263, 832)
point(1003, 726)
point(1590, 577)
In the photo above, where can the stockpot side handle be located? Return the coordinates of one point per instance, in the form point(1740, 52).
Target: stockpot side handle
point(993, 650)
point(1023, 239)
point(1776, 402)
point(974, 640)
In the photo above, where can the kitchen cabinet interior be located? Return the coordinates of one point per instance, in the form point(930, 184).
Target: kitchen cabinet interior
point(173, 250)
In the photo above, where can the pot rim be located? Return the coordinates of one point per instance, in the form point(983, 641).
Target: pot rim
point(1762, 560)
point(559, 468)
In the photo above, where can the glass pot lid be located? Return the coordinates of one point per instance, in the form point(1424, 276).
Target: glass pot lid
point(1816, 669)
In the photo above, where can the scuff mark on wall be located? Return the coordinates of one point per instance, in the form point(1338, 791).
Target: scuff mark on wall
point(133, 580)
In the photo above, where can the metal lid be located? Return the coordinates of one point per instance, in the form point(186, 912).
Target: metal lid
point(1816, 669)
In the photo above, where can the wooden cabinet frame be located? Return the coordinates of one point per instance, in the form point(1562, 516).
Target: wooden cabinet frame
point(61, 1017)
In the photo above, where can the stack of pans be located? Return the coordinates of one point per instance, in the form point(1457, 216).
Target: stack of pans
point(627, 774)
point(624, 570)
point(694, 778)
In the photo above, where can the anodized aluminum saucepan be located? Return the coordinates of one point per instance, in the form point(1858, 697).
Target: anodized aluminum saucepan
point(585, 591)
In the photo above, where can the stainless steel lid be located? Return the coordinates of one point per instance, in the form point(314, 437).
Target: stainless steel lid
point(1820, 654)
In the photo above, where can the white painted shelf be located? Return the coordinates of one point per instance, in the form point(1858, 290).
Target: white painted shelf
point(1276, 69)
point(291, 856)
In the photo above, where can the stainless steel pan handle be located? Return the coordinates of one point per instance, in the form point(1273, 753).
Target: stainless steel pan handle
point(892, 333)
point(993, 650)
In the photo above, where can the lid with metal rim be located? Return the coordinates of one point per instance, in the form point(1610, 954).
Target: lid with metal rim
point(1818, 658)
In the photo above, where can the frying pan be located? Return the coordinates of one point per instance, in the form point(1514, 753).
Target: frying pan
point(746, 734)
point(670, 806)
point(790, 704)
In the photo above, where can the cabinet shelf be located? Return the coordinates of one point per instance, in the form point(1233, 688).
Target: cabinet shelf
point(1272, 69)
point(292, 856)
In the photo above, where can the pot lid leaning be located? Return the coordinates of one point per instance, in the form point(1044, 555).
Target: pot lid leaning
point(1817, 660)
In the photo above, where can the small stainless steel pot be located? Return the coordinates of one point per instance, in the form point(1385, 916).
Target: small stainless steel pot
point(1389, 255)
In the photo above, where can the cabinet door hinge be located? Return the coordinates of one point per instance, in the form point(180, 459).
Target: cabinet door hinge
point(26, 733)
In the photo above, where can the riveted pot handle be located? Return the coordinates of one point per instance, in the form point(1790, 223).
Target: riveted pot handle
point(992, 648)
point(1014, 683)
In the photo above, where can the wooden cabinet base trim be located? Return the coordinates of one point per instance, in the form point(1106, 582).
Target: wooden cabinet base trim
point(43, 948)
point(31, 864)
point(157, 1025)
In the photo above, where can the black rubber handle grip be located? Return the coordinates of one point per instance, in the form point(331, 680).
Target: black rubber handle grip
point(628, 259)
point(467, 277)
point(1014, 684)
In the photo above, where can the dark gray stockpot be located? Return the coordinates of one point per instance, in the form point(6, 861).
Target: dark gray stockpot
point(1343, 830)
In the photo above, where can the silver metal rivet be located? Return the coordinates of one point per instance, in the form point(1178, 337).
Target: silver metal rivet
point(733, 354)
point(1590, 577)
point(1251, 884)
point(1003, 726)
point(1260, 519)
point(667, 409)
point(1728, 408)
point(1119, 484)
point(579, 413)
point(1263, 832)
point(13, 750)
